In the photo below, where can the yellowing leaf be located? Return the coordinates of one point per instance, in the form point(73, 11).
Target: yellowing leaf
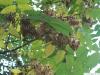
point(24, 7)
point(13, 31)
point(6, 2)
point(15, 71)
point(12, 8)
point(49, 49)
point(18, 28)
point(60, 56)
point(32, 72)
point(9, 9)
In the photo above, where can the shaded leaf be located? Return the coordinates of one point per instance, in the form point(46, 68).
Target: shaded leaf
point(61, 69)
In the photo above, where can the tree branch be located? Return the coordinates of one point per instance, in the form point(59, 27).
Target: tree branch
point(12, 50)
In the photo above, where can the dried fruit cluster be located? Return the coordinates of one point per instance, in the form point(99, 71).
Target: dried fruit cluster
point(74, 43)
point(47, 34)
point(43, 32)
point(73, 21)
point(41, 69)
point(11, 18)
point(27, 29)
point(89, 21)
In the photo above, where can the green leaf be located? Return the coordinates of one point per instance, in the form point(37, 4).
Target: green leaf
point(69, 64)
point(9, 9)
point(16, 71)
point(6, 2)
point(93, 60)
point(78, 68)
point(49, 49)
point(12, 8)
point(13, 31)
point(61, 69)
point(85, 37)
point(73, 67)
point(2, 45)
point(37, 44)
point(24, 7)
point(57, 24)
point(31, 72)
point(94, 13)
point(22, 1)
point(96, 1)
point(60, 56)
point(57, 58)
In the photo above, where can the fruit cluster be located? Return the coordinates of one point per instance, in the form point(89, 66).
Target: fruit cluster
point(73, 21)
point(47, 33)
point(27, 29)
point(74, 43)
point(41, 69)
point(11, 18)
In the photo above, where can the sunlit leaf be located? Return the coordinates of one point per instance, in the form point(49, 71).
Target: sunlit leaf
point(31, 72)
point(12, 8)
point(9, 9)
point(15, 71)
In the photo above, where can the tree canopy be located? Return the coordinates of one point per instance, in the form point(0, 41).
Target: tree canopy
point(49, 37)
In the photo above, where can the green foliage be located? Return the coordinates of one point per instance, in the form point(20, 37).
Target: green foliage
point(62, 60)
point(93, 12)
